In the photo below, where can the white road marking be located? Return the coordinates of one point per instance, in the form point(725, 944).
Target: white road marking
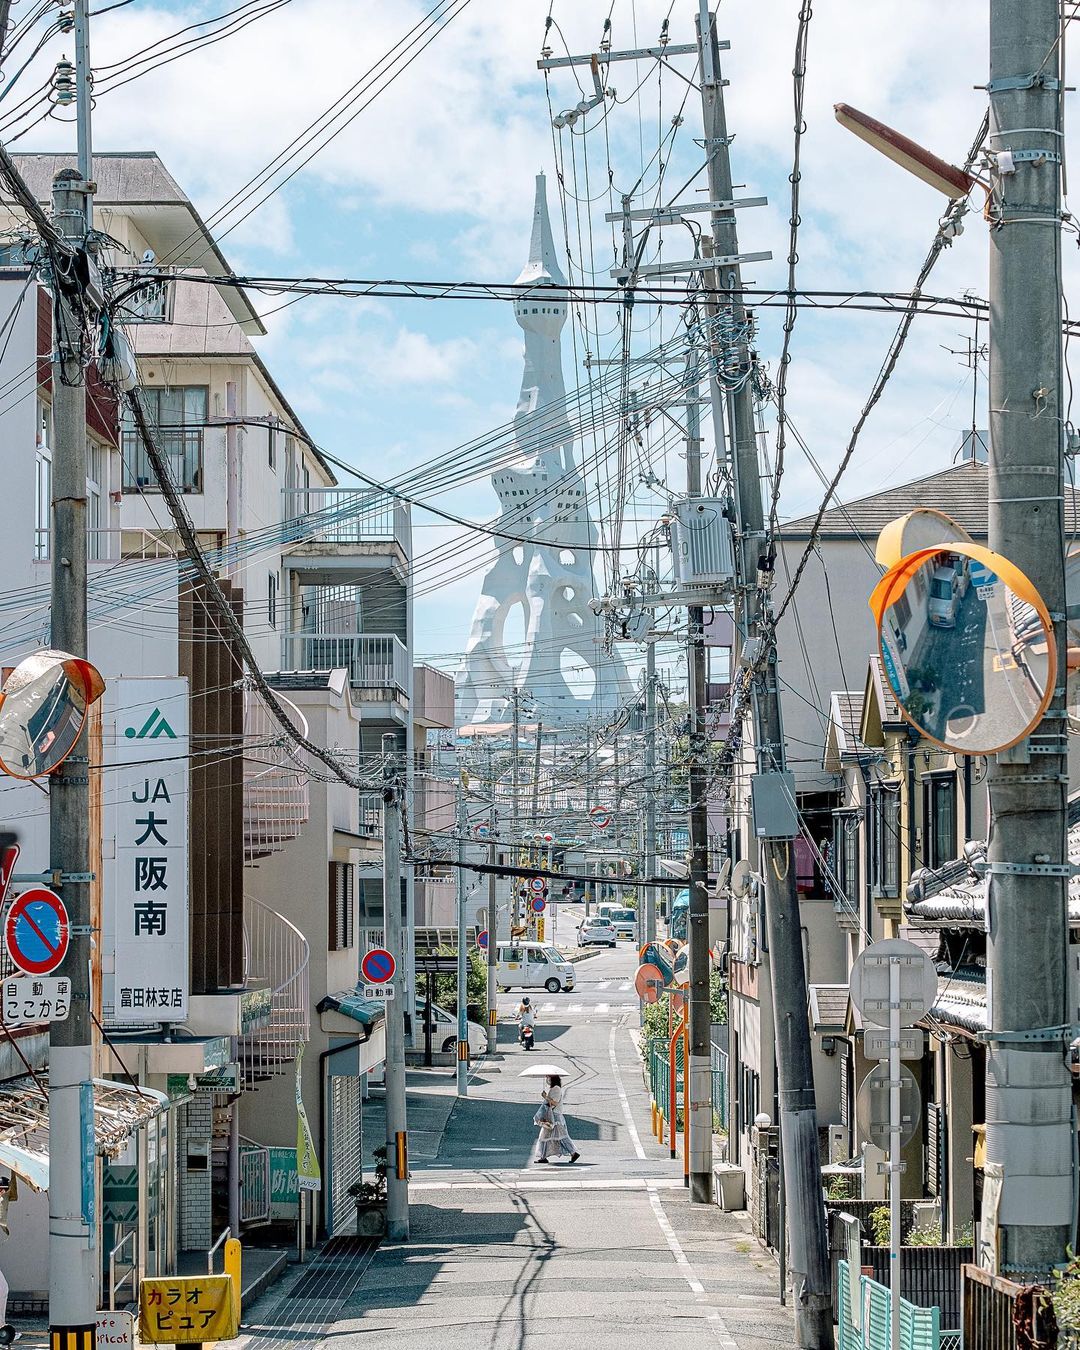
point(574, 1007)
point(526, 1183)
point(714, 1318)
point(602, 1007)
point(624, 1101)
point(548, 1007)
point(624, 987)
point(603, 984)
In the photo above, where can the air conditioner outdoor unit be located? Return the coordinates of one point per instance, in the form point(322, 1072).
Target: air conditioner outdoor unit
point(702, 543)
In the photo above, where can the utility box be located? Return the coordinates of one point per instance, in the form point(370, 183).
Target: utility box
point(702, 544)
point(772, 805)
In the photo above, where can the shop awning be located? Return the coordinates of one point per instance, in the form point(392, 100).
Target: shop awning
point(119, 1109)
point(368, 1012)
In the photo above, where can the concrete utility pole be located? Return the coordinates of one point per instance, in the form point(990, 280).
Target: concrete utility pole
point(73, 1261)
point(515, 780)
point(648, 900)
point(493, 934)
point(397, 1187)
point(462, 953)
point(1028, 1130)
point(699, 1067)
point(535, 813)
point(808, 1242)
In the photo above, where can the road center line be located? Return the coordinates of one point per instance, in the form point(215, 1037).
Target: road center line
point(624, 1101)
point(714, 1318)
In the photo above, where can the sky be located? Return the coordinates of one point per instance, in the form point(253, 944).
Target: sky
point(433, 179)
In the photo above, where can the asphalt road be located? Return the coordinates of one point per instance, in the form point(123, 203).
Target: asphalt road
point(507, 1255)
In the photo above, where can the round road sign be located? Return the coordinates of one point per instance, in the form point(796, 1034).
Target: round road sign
point(378, 966)
point(482, 939)
point(538, 884)
point(601, 817)
point(539, 904)
point(869, 982)
point(37, 931)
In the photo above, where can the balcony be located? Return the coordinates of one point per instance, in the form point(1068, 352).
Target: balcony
point(433, 698)
point(375, 661)
point(340, 530)
point(433, 803)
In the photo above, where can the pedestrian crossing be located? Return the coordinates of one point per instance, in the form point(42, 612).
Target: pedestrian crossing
point(607, 984)
point(583, 1007)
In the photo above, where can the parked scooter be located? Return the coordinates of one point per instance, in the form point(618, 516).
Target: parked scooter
point(526, 1036)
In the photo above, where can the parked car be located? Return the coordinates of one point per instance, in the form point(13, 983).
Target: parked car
point(598, 930)
point(945, 596)
point(444, 1030)
point(532, 965)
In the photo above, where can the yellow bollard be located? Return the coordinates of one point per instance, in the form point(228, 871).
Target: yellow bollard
point(654, 1118)
point(233, 1257)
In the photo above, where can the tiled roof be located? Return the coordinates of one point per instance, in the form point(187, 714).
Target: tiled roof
point(961, 1000)
point(845, 719)
point(829, 1008)
point(961, 492)
point(890, 708)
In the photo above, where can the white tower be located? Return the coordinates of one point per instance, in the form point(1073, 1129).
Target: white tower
point(542, 496)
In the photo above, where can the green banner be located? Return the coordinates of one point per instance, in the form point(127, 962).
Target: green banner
point(308, 1174)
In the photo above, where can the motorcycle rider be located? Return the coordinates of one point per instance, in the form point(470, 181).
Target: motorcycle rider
point(526, 1016)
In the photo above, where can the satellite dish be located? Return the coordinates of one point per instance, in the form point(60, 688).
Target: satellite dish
point(43, 710)
point(741, 878)
point(725, 872)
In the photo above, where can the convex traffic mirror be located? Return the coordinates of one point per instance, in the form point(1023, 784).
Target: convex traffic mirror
point(966, 646)
point(43, 708)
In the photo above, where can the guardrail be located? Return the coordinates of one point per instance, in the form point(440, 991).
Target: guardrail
point(132, 1271)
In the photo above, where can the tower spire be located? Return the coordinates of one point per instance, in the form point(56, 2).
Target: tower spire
point(543, 264)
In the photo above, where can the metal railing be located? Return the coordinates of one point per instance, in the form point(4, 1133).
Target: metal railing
point(131, 1273)
point(719, 1086)
point(373, 660)
point(276, 954)
point(988, 1302)
point(275, 787)
point(254, 1182)
point(345, 516)
point(226, 1234)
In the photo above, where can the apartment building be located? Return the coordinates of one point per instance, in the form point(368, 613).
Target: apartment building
point(261, 930)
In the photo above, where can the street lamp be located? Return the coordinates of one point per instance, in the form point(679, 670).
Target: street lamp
point(954, 183)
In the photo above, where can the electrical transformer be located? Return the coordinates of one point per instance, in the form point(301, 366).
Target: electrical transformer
point(702, 543)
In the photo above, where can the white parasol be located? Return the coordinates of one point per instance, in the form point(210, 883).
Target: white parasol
point(548, 1071)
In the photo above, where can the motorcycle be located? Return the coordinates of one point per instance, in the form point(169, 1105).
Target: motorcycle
point(526, 1036)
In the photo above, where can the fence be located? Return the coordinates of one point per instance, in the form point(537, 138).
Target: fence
point(988, 1302)
point(719, 1087)
point(863, 1321)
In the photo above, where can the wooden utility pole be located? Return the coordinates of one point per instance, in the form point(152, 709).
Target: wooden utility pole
point(1029, 1133)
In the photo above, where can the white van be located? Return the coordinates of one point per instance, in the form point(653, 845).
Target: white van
point(532, 965)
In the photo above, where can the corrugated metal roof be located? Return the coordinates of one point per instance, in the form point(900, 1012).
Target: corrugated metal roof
point(961, 492)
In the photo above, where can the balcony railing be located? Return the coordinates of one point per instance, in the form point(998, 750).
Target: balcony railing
point(373, 660)
point(345, 516)
point(275, 787)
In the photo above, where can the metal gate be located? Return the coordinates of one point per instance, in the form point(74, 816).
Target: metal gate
point(344, 1163)
point(254, 1182)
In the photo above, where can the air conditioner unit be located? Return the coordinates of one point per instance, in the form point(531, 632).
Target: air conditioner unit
point(702, 543)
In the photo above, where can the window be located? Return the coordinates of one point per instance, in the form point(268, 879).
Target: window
point(177, 417)
point(96, 480)
point(885, 841)
point(271, 599)
point(341, 909)
point(939, 819)
point(43, 504)
point(845, 859)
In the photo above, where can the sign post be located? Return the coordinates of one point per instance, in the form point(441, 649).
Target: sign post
point(894, 984)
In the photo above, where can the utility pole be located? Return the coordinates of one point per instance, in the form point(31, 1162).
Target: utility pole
point(493, 935)
point(462, 954)
point(649, 898)
point(397, 1162)
point(515, 784)
point(808, 1242)
point(699, 1066)
point(536, 773)
point(74, 1262)
point(1028, 1130)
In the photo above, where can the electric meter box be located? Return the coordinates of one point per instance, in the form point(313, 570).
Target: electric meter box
point(772, 805)
point(702, 543)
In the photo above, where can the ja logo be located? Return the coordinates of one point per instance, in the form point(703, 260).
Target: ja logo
point(154, 726)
